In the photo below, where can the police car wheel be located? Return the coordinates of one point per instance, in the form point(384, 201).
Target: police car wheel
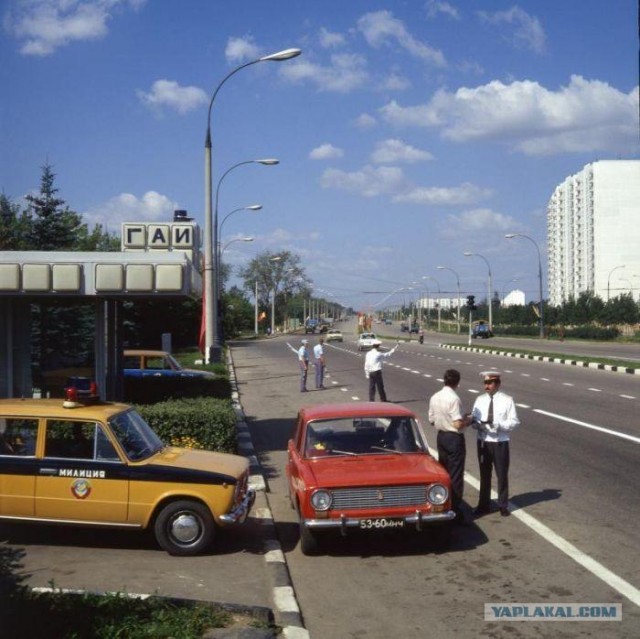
point(184, 528)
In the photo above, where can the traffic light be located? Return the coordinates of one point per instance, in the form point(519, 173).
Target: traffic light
point(471, 302)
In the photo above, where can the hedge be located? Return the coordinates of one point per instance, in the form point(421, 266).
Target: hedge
point(205, 422)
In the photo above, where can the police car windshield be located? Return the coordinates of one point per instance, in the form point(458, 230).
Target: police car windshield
point(136, 437)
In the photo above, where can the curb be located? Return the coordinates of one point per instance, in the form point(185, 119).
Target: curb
point(286, 608)
point(542, 358)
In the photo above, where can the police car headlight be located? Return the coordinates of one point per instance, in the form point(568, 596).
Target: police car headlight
point(321, 500)
point(437, 494)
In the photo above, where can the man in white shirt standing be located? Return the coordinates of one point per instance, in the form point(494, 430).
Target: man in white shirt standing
point(373, 370)
point(318, 362)
point(494, 417)
point(445, 414)
point(303, 360)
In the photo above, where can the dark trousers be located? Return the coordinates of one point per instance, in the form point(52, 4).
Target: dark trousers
point(303, 376)
point(452, 452)
point(493, 455)
point(375, 381)
point(319, 373)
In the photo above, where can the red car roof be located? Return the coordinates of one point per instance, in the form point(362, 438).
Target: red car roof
point(354, 409)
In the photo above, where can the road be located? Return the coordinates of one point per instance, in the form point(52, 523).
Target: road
point(572, 537)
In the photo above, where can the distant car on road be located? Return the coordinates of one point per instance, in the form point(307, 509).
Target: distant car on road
point(334, 335)
point(481, 330)
point(366, 340)
point(414, 329)
point(365, 466)
point(388, 322)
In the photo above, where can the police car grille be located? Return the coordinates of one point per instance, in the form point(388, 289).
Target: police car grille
point(379, 497)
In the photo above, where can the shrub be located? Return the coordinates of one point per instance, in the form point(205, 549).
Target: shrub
point(205, 422)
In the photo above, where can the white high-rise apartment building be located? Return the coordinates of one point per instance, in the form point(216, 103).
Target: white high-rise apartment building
point(593, 232)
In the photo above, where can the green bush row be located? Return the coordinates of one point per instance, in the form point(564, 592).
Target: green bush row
point(204, 422)
point(148, 390)
point(585, 331)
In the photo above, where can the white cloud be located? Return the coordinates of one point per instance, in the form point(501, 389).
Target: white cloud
point(476, 222)
point(126, 207)
point(395, 82)
point(392, 151)
point(380, 28)
point(326, 152)
point(46, 25)
point(367, 182)
point(586, 115)
point(345, 73)
point(435, 7)
point(239, 50)
point(169, 94)
point(528, 32)
point(329, 39)
point(464, 194)
point(365, 121)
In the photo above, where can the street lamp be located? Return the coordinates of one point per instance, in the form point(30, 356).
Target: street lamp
point(428, 277)
point(213, 348)
point(238, 239)
point(277, 258)
point(490, 298)
point(510, 236)
point(251, 207)
point(446, 268)
point(615, 268)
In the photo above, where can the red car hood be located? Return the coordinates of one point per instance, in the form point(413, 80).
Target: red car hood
point(377, 470)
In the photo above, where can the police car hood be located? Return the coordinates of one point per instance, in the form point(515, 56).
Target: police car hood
point(202, 460)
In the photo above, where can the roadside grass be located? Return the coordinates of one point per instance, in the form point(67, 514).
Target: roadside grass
point(566, 357)
point(27, 614)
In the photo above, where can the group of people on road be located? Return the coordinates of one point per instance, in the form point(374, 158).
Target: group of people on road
point(493, 417)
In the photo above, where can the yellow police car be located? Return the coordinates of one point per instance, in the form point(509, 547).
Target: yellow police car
point(101, 464)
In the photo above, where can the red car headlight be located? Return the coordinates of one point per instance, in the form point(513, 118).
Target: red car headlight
point(437, 494)
point(321, 500)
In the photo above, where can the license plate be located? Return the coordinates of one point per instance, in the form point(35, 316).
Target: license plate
point(381, 523)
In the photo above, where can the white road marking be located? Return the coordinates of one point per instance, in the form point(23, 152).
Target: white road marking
point(567, 384)
point(600, 429)
point(595, 390)
point(594, 567)
point(523, 406)
point(627, 396)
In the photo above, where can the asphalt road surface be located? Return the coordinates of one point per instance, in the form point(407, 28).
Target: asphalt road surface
point(572, 537)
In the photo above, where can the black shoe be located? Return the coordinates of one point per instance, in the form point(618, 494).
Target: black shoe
point(504, 512)
point(481, 511)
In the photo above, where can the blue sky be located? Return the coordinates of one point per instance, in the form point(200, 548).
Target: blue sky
point(407, 132)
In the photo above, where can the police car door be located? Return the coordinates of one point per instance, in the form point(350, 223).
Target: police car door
point(81, 476)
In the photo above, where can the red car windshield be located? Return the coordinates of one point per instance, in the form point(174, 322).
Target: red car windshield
point(363, 436)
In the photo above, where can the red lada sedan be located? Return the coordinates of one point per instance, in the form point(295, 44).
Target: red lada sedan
point(365, 466)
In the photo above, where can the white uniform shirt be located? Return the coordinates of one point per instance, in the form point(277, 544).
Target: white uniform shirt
point(318, 351)
point(373, 360)
point(445, 407)
point(505, 417)
point(303, 354)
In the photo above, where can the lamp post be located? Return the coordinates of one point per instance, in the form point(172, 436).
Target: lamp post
point(428, 277)
point(446, 268)
point(277, 258)
point(510, 236)
point(218, 270)
point(615, 268)
point(213, 347)
point(238, 239)
point(490, 298)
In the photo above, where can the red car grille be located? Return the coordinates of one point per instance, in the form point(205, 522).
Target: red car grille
point(378, 497)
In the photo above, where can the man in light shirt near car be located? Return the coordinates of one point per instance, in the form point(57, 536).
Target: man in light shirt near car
point(494, 418)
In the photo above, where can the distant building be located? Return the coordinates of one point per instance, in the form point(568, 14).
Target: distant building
point(514, 298)
point(593, 232)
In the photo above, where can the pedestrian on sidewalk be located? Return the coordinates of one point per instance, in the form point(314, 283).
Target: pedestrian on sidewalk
point(303, 361)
